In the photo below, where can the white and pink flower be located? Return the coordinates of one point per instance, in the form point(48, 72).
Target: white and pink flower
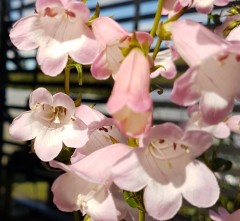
point(130, 103)
point(169, 170)
point(171, 7)
point(213, 74)
point(58, 29)
point(51, 122)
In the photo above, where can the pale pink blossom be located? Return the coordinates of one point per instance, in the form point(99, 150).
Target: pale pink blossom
point(100, 200)
point(72, 193)
point(195, 122)
point(58, 29)
point(224, 215)
point(206, 6)
point(51, 122)
point(102, 132)
point(168, 171)
point(130, 103)
point(164, 166)
point(112, 37)
point(165, 59)
point(171, 7)
point(213, 74)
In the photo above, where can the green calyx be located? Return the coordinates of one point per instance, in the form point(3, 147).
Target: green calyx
point(134, 199)
point(95, 15)
point(133, 43)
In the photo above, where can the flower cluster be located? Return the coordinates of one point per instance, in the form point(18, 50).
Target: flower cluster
point(126, 167)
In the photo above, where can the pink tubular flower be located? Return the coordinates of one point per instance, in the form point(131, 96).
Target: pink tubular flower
point(213, 75)
point(167, 170)
point(51, 122)
point(206, 6)
point(72, 192)
point(171, 7)
point(195, 122)
point(224, 215)
point(58, 29)
point(130, 103)
point(112, 37)
point(100, 200)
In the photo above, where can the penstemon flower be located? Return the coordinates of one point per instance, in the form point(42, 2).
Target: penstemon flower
point(171, 7)
point(169, 170)
point(58, 29)
point(213, 74)
point(164, 167)
point(123, 167)
point(130, 103)
point(108, 61)
point(51, 122)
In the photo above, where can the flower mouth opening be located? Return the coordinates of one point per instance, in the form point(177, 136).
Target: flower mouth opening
point(55, 11)
point(167, 150)
point(51, 114)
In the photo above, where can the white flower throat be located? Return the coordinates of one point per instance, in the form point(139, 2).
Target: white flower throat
point(51, 113)
point(167, 150)
point(54, 11)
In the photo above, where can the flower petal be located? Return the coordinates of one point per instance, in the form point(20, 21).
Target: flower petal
point(100, 67)
point(184, 91)
point(48, 144)
point(75, 134)
point(102, 173)
point(22, 34)
point(162, 201)
point(104, 25)
point(196, 190)
point(194, 42)
point(126, 172)
point(52, 58)
point(84, 50)
point(22, 127)
point(215, 108)
point(40, 96)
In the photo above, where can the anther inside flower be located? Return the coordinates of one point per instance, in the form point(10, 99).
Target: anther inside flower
point(61, 17)
point(167, 150)
point(169, 170)
point(52, 114)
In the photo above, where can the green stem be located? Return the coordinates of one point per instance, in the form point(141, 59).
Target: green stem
point(157, 47)
point(141, 215)
point(66, 80)
point(76, 216)
point(157, 18)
